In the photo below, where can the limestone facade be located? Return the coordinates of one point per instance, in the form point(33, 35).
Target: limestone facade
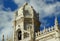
point(27, 26)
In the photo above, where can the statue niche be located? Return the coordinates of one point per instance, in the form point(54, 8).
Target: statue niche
point(19, 35)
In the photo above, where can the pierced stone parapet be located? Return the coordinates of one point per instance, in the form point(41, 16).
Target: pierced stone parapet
point(45, 31)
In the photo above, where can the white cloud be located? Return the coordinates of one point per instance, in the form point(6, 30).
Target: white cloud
point(1, 6)
point(7, 25)
point(39, 5)
point(6, 22)
point(44, 9)
point(7, 30)
point(49, 9)
point(6, 18)
point(19, 2)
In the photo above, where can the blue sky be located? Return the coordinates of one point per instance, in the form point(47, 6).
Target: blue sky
point(47, 9)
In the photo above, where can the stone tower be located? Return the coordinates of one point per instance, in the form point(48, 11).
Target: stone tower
point(26, 23)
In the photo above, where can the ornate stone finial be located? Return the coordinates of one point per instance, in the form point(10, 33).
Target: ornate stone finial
point(7, 38)
point(52, 28)
point(3, 37)
point(25, 4)
point(44, 29)
point(49, 29)
point(31, 7)
point(56, 22)
point(36, 34)
point(41, 32)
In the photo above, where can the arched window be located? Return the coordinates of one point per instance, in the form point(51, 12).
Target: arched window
point(26, 35)
point(27, 13)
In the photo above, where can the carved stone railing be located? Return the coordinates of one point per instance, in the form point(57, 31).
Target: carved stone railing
point(44, 31)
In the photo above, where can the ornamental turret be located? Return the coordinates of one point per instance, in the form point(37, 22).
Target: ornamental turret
point(2, 37)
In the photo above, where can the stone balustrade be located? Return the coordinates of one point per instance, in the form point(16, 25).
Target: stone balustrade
point(45, 31)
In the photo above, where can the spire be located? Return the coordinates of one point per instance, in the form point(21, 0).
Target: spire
point(56, 22)
point(44, 29)
point(3, 37)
